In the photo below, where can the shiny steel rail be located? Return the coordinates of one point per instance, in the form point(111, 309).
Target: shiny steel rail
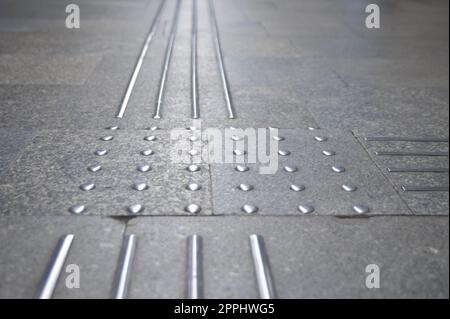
point(122, 280)
point(195, 112)
point(263, 275)
point(194, 267)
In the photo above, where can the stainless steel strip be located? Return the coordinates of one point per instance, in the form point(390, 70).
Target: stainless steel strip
point(424, 188)
point(261, 264)
point(165, 70)
point(195, 112)
point(50, 278)
point(218, 47)
point(417, 170)
point(405, 139)
point(387, 153)
point(122, 280)
point(194, 267)
point(140, 61)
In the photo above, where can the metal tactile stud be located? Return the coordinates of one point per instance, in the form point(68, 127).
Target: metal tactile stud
point(113, 128)
point(193, 168)
point(313, 128)
point(140, 186)
point(87, 186)
point(241, 168)
point(193, 187)
point(101, 152)
point(193, 138)
point(297, 188)
point(249, 209)
point(94, 168)
point(361, 209)
point(135, 209)
point(236, 138)
point(306, 209)
point(147, 152)
point(193, 152)
point(329, 153)
point(284, 153)
point(239, 152)
point(349, 187)
point(152, 128)
point(107, 138)
point(320, 138)
point(338, 169)
point(77, 209)
point(290, 169)
point(278, 138)
point(192, 209)
point(245, 187)
point(144, 168)
point(272, 128)
point(150, 138)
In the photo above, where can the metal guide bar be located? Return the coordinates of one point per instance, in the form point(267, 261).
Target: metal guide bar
point(140, 60)
point(122, 280)
point(261, 264)
point(194, 267)
point(168, 57)
point(417, 170)
point(50, 278)
point(424, 188)
point(195, 112)
point(388, 153)
point(219, 56)
point(405, 139)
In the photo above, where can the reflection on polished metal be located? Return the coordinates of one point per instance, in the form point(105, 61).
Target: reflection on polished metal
point(361, 209)
point(135, 209)
point(297, 188)
point(424, 188)
point(384, 153)
point(284, 153)
point(123, 272)
point(101, 152)
point(77, 209)
point(290, 169)
point(266, 288)
point(220, 62)
point(140, 186)
point(338, 169)
point(193, 187)
point(193, 168)
point(417, 170)
point(320, 138)
point(242, 168)
point(113, 128)
point(107, 138)
point(348, 187)
point(278, 138)
point(150, 138)
point(329, 153)
point(194, 267)
point(165, 70)
point(306, 209)
point(139, 61)
point(94, 168)
point(87, 186)
point(147, 152)
point(193, 209)
point(50, 278)
point(144, 168)
point(245, 187)
point(239, 152)
point(249, 209)
point(404, 139)
point(195, 112)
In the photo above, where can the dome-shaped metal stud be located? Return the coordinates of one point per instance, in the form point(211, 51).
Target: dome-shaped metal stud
point(313, 128)
point(239, 152)
point(94, 168)
point(193, 138)
point(150, 138)
point(107, 138)
point(193, 152)
point(290, 169)
point(77, 209)
point(338, 169)
point(144, 168)
point(193, 168)
point(241, 168)
point(152, 128)
point(284, 153)
point(101, 152)
point(306, 209)
point(348, 187)
point(297, 188)
point(113, 128)
point(361, 209)
point(193, 187)
point(271, 128)
point(87, 186)
point(192, 209)
point(278, 138)
point(147, 152)
point(249, 209)
point(135, 209)
point(140, 186)
point(329, 153)
point(245, 187)
point(237, 138)
point(320, 138)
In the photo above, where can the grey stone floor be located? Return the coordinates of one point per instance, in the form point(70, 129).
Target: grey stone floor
point(291, 64)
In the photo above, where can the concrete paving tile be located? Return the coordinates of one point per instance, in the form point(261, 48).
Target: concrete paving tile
point(11, 143)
